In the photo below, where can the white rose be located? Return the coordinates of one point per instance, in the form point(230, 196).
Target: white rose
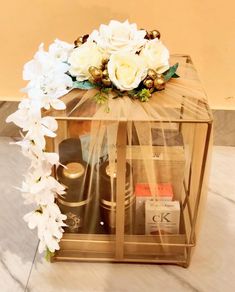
point(126, 70)
point(82, 58)
point(156, 55)
point(118, 37)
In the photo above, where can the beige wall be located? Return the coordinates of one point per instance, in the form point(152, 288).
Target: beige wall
point(203, 29)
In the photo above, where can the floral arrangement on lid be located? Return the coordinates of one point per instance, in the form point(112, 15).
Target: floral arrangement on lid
point(119, 58)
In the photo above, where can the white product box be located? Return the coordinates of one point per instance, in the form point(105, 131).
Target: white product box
point(162, 217)
point(143, 193)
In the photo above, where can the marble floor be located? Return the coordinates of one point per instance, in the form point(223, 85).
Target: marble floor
point(212, 267)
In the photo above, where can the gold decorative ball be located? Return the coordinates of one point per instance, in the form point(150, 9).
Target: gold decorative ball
point(92, 69)
point(146, 36)
point(159, 82)
point(85, 37)
point(92, 80)
point(98, 74)
point(80, 39)
point(106, 81)
point(152, 73)
point(149, 35)
point(77, 43)
point(156, 34)
point(105, 73)
point(160, 76)
point(95, 72)
point(105, 61)
point(148, 83)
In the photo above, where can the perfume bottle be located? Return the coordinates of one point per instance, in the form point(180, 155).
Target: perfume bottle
point(107, 190)
point(75, 176)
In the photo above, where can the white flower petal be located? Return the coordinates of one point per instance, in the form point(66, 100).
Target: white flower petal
point(50, 123)
point(51, 157)
point(57, 104)
point(37, 187)
point(41, 246)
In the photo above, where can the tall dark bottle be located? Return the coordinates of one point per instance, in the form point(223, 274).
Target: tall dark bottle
point(108, 197)
point(75, 175)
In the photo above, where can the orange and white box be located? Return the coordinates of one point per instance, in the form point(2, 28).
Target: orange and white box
point(161, 192)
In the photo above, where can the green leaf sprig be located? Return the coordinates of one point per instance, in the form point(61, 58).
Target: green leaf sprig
point(171, 72)
point(102, 97)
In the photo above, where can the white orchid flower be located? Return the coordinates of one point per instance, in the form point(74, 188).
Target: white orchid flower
point(40, 188)
point(49, 88)
point(43, 64)
point(38, 157)
point(48, 81)
point(49, 242)
point(41, 128)
point(49, 222)
point(45, 161)
point(47, 77)
point(26, 114)
point(46, 217)
point(34, 218)
point(29, 149)
point(37, 180)
point(44, 197)
point(60, 50)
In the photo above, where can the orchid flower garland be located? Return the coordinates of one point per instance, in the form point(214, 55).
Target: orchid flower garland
point(117, 57)
point(48, 81)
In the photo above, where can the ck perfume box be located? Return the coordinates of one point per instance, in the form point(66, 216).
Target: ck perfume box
point(162, 217)
point(144, 192)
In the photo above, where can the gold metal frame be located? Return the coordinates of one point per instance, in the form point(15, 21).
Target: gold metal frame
point(167, 249)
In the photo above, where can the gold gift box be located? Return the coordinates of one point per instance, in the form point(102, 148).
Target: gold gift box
point(181, 108)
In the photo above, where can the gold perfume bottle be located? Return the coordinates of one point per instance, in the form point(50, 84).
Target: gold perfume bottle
point(75, 175)
point(107, 190)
